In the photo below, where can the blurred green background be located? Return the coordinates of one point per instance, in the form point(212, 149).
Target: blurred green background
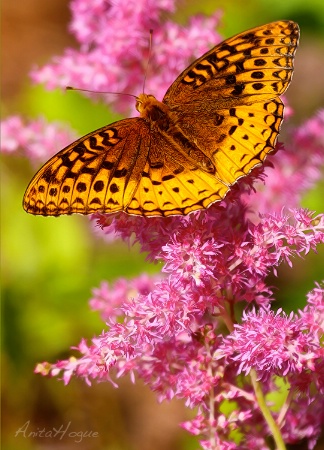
point(50, 265)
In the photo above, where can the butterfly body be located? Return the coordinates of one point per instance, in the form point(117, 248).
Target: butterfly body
point(217, 121)
point(161, 119)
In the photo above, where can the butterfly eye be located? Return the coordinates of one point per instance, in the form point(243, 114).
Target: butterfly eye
point(139, 105)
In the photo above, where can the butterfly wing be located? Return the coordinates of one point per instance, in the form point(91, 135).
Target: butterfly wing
point(98, 172)
point(250, 67)
point(228, 102)
point(125, 166)
point(237, 139)
point(172, 183)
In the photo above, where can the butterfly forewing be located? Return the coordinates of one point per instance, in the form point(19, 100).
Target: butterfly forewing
point(234, 90)
point(218, 120)
point(251, 66)
point(99, 172)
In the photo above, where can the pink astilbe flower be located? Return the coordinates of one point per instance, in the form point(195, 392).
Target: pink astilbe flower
point(169, 337)
point(218, 248)
point(284, 347)
point(36, 139)
point(113, 54)
point(313, 314)
point(304, 420)
point(108, 299)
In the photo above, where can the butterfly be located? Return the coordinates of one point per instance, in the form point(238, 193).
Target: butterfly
point(218, 120)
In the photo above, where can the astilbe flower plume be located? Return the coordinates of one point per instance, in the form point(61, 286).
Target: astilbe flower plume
point(37, 139)
point(113, 54)
point(173, 336)
point(181, 331)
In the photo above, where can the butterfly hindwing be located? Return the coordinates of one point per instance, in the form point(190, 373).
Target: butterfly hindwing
point(250, 136)
point(173, 183)
point(236, 139)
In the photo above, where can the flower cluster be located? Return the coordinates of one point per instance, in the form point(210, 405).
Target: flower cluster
point(183, 332)
point(114, 48)
point(108, 300)
point(36, 139)
point(173, 335)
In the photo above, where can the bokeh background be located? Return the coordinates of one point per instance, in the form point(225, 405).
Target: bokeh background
point(50, 265)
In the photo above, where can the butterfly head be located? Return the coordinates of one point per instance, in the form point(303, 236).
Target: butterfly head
point(143, 101)
point(150, 108)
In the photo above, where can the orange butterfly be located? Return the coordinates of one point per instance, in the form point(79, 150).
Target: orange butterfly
point(218, 120)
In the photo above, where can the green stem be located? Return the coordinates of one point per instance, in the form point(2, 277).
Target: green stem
point(227, 320)
point(285, 407)
point(274, 428)
point(212, 430)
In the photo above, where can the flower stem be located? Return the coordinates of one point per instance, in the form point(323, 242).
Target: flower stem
point(285, 407)
point(212, 429)
point(274, 428)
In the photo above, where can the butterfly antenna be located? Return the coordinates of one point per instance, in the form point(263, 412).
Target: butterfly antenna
point(71, 88)
point(148, 59)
